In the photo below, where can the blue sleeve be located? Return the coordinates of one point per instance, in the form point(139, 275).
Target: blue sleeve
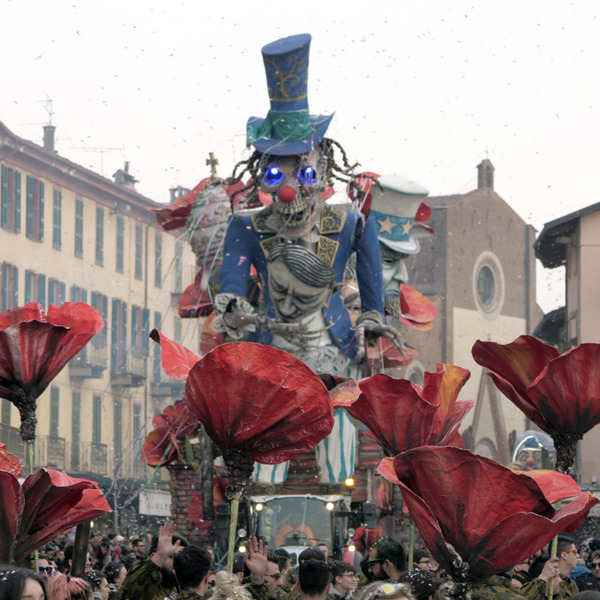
point(237, 257)
point(368, 269)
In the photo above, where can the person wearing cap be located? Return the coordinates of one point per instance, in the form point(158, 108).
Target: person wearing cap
point(154, 578)
point(295, 593)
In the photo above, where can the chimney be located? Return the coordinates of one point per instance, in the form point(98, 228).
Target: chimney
point(124, 178)
point(485, 175)
point(49, 137)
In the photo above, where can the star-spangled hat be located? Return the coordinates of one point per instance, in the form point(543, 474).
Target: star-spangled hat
point(288, 127)
point(394, 210)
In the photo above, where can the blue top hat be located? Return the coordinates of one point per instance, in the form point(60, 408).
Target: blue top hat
point(288, 127)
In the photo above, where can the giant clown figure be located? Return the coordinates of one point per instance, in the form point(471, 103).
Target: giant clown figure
point(299, 247)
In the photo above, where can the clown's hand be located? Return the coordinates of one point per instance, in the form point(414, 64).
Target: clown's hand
point(368, 330)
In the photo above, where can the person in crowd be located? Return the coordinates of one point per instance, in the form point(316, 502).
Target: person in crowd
point(384, 590)
point(421, 559)
point(99, 584)
point(16, 584)
point(314, 579)
point(273, 574)
point(192, 568)
point(68, 561)
point(325, 550)
point(344, 580)
point(558, 569)
point(45, 568)
point(421, 582)
point(595, 564)
point(64, 587)
point(387, 560)
point(227, 587)
point(115, 573)
point(154, 578)
point(139, 547)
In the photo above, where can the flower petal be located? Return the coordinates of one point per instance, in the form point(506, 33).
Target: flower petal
point(9, 462)
point(260, 400)
point(11, 510)
point(176, 359)
point(554, 485)
point(90, 505)
point(395, 411)
point(491, 516)
point(158, 449)
point(567, 392)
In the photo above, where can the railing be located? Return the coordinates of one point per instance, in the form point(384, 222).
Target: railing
point(50, 452)
point(94, 458)
point(11, 437)
point(131, 371)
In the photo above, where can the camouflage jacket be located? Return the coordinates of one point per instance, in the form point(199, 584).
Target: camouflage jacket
point(189, 595)
point(496, 587)
point(144, 582)
point(259, 591)
point(537, 589)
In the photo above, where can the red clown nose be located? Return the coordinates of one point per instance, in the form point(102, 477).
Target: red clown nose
point(286, 194)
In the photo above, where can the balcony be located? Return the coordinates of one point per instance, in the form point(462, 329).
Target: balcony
point(92, 361)
point(129, 371)
point(93, 458)
point(50, 452)
point(168, 389)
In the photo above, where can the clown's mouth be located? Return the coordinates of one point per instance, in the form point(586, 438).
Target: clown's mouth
point(295, 213)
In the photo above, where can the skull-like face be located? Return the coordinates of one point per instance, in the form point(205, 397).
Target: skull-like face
point(294, 182)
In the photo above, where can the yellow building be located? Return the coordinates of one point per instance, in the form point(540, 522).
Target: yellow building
point(69, 234)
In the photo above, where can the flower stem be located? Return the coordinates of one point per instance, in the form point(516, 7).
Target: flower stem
point(233, 520)
point(553, 550)
point(411, 542)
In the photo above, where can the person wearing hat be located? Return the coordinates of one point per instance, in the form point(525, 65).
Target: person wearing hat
point(154, 578)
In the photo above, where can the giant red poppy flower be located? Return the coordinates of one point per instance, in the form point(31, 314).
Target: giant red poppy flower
point(400, 414)
point(9, 462)
point(160, 447)
point(258, 403)
point(48, 503)
point(471, 506)
point(560, 393)
point(34, 348)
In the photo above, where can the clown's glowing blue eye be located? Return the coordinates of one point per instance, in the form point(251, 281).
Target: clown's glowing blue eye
point(308, 175)
point(273, 176)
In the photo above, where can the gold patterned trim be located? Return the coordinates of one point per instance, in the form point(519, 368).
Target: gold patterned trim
point(259, 220)
point(332, 220)
point(267, 244)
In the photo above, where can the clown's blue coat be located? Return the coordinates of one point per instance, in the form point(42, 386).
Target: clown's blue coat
point(248, 240)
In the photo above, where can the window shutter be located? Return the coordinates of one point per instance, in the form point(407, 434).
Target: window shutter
point(15, 300)
point(146, 331)
point(42, 290)
point(4, 220)
point(18, 201)
point(28, 286)
point(113, 335)
point(41, 214)
point(29, 208)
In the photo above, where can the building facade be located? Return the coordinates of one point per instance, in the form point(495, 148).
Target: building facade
point(571, 242)
point(478, 268)
point(69, 234)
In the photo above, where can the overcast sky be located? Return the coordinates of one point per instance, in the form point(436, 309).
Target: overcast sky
point(420, 88)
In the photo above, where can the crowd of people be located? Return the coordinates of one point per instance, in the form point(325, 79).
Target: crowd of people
point(165, 566)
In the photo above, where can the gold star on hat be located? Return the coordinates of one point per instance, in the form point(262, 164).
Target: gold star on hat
point(386, 225)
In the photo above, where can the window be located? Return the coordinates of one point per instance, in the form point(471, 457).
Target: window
point(100, 303)
point(78, 294)
point(57, 292)
point(57, 220)
point(120, 243)
point(78, 227)
point(76, 431)
point(158, 260)
point(9, 293)
point(54, 411)
point(118, 427)
point(97, 420)
point(119, 336)
point(99, 236)
point(6, 408)
point(10, 207)
point(156, 362)
point(178, 266)
point(139, 250)
point(140, 331)
point(137, 418)
point(35, 287)
point(34, 209)
point(488, 285)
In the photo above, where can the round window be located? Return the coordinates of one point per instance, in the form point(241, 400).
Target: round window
point(488, 285)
